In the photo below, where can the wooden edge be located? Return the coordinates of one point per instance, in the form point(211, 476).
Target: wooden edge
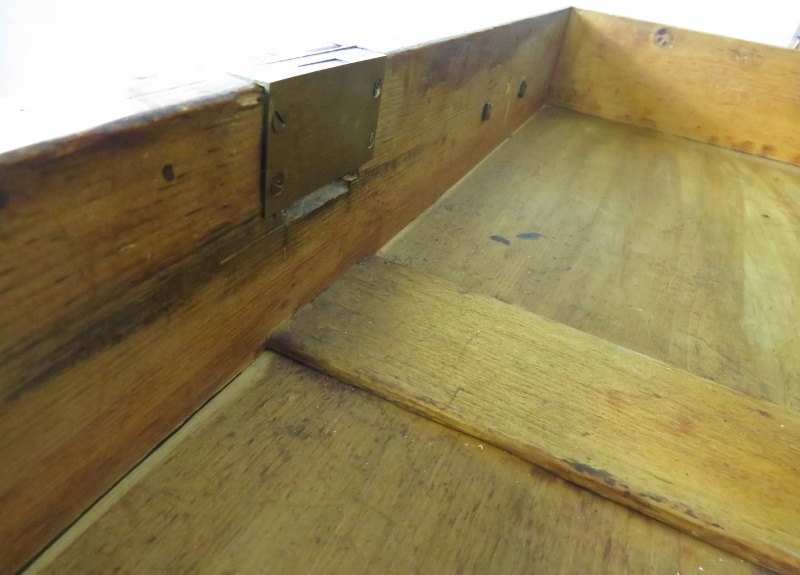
point(57, 126)
point(186, 326)
point(429, 346)
point(727, 92)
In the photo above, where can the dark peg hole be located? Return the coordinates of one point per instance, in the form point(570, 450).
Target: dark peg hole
point(523, 87)
point(662, 31)
point(168, 172)
point(487, 112)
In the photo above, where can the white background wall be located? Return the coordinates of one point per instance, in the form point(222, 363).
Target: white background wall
point(48, 45)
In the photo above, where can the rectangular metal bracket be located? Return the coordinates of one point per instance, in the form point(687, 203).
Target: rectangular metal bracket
point(320, 121)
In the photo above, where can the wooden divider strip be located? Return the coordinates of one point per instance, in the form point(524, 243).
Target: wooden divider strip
point(708, 460)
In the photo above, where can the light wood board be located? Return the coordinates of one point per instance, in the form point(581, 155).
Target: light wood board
point(713, 462)
point(159, 304)
point(289, 471)
point(682, 251)
point(727, 92)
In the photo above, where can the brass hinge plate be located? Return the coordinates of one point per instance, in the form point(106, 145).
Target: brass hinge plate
point(320, 121)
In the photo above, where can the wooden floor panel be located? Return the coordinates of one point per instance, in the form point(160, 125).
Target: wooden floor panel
point(682, 251)
point(289, 471)
point(713, 462)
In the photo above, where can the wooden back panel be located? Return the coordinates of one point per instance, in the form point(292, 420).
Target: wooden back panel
point(726, 92)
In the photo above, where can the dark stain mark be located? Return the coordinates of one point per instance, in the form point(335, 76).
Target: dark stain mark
point(768, 151)
point(456, 62)
point(691, 513)
point(766, 216)
point(746, 146)
point(529, 236)
point(146, 300)
point(718, 526)
point(500, 239)
point(585, 469)
point(765, 413)
point(151, 539)
point(396, 162)
point(608, 548)
point(231, 434)
point(3, 199)
point(653, 497)
point(295, 430)
point(168, 172)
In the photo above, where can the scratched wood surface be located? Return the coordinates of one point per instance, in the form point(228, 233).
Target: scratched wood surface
point(727, 92)
point(156, 290)
point(290, 471)
point(708, 460)
point(682, 251)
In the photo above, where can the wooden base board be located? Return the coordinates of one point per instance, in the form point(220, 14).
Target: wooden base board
point(713, 462)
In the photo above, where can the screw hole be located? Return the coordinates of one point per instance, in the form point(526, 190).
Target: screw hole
point(168, 172)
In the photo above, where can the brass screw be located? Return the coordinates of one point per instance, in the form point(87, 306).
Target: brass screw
point(276, 186)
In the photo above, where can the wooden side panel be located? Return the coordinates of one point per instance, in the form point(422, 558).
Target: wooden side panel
point(713, 462)
point(289, 471)
point(144, 357)
point(682, 251)
point(723, 91)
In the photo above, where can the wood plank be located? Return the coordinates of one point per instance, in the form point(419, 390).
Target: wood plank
point(713, 462)
point(679, 250)
point(289, 471)
point(727, 92)
point(142, 362)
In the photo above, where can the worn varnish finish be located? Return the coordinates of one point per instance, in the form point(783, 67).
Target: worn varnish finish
point(727, 92)
point(141, 352)
point(684, 252)
point(289, 471)
point(713, 462)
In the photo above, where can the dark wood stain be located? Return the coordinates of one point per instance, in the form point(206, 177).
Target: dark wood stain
point(118, 316)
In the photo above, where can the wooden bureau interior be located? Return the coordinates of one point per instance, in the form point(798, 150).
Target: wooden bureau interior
point(551, 326)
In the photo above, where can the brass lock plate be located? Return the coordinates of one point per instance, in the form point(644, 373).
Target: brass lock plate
point(320, 121)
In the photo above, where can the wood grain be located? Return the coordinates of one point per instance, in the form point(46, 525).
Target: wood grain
point(145, 359)
point(682, 251)
point(727, 92)
point(713, 462)
point(289, 471)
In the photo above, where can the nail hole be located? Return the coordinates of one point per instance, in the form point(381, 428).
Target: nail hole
point(523, 87)
point(168, 172)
